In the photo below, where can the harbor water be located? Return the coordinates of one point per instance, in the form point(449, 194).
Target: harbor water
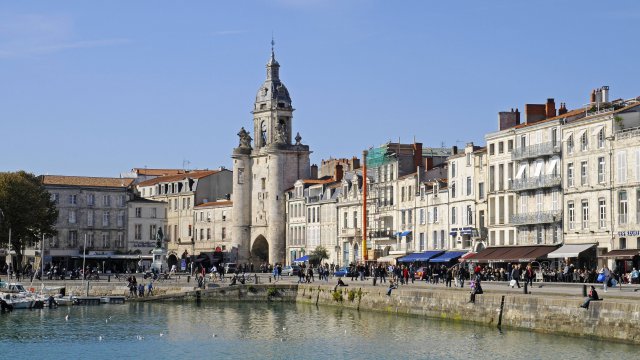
point(271, 331)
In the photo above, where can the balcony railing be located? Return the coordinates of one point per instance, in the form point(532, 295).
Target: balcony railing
point(381, 234)
point(543, 181)
point(350, 232)
point(536, 150)
point(543, 217)
point(628, 133)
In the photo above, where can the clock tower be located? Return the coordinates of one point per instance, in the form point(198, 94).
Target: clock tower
point(263, 172)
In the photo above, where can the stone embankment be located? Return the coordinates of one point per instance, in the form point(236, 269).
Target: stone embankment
point(614, 318)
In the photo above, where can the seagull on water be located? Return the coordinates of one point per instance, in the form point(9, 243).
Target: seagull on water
point(99, 338)
point(66, 318)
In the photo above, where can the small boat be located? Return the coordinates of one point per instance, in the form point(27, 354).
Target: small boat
point(15, 295)
point(65, 300)
point(18, 301)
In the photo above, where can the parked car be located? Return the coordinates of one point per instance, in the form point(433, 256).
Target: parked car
point(343, 272)
point(291, 270)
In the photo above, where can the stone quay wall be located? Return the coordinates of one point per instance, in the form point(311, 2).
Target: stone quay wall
point(614, 319)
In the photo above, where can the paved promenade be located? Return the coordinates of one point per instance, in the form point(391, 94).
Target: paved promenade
point(575, 290)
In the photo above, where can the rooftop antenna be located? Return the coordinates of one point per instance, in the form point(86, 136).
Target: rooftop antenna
point(185, 164)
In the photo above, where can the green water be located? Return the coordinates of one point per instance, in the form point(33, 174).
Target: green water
point(271, 331)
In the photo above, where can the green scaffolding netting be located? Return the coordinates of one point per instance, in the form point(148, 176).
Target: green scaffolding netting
point(379, 156)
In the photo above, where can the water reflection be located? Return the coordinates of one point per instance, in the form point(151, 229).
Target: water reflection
point(277, 331)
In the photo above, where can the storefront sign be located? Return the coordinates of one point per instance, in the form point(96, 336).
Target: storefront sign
point(629, 233)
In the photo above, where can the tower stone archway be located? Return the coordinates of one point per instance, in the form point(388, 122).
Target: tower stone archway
point(260, 250)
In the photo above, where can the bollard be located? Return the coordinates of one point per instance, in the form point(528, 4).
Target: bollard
point(269, 278)
point(584, 290)
point(526, 287)
point(109, 278)
point(256, 279)
point(188, 278)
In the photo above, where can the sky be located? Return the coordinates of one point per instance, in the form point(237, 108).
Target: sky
point(96, 88)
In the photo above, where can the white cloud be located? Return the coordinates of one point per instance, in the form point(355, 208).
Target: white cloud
point(27, 35)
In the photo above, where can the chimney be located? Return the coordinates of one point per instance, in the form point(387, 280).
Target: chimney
point(550, 108)
point(562, 110)
point(428, 163)
point(508, 119)
point(592, 99)
point(355, 163)
point(417, 154)
point(454, 150)
point(535, 112)
point(605, 93)
point(314, 171)
point(338, 173)
point(598, 96)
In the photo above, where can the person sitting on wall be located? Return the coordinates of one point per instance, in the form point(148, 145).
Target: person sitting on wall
point(593, 296)
point(392, 285)
point(341, 283)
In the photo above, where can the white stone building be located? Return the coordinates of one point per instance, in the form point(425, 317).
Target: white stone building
point(212, 235)
point(145, 217)
point(92, 209)
point(182, 193)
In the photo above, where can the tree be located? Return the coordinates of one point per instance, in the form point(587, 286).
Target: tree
point(318, 254)
point(28, 211)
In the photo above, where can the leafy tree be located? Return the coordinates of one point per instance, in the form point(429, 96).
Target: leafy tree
point(28, 211)
point(318, 254)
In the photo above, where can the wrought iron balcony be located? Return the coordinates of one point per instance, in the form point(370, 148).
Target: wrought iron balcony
point(536, 150)
point(537, 182)
point(382, 234)
point(542, 217)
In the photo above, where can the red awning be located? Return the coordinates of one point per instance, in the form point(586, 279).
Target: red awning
point(514, 253)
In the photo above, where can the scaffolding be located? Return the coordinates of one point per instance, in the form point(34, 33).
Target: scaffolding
point(379, 156)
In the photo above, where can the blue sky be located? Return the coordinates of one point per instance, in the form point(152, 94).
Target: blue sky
point(98, 87)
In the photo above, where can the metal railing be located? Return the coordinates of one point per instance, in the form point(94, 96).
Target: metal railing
point(543, 181)
point(536, 150)
point(628, 133)
point(382, 234)
point(542, 217)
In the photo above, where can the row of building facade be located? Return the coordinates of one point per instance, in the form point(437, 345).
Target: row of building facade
point(557, 176)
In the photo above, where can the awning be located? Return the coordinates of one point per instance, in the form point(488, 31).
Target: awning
point(621, 254)
point(521, 170)
point(405, 233)
point(468, 256)
point(569, 251)
point(114, 257)
point(552, 166)
point(422, 256)
point(389, 258)
point(302, 259)
point(448, 256)
point(453, 233)
point(466, 231)
point(514, 253)
point(538, 168)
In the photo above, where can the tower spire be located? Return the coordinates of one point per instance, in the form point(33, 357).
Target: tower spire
point(273, 55)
